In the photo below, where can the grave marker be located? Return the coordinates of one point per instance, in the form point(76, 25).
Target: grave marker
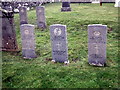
point(28, 41)
point(59, 43)
point(65, 6)
point(41, 21)
point(97, 36)
point(23, 15)
point(8, 35)
point(117, 3)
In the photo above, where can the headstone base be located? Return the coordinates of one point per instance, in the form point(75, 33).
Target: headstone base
point(97, 64)
point(63, 9)
point(27, 55)
point(42, 25)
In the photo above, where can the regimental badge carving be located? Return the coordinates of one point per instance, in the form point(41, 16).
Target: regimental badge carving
point(57, 31)
point(26, 32)
point(96, 33)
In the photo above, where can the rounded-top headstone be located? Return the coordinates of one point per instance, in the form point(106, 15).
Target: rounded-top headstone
point(41, 20)
point(97, 38)
point(58, 35)
point(23, 15)
point(28, 41)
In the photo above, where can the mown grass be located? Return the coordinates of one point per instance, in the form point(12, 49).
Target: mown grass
point(42, 73)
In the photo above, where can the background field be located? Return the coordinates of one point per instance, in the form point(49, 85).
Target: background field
point(42, 73)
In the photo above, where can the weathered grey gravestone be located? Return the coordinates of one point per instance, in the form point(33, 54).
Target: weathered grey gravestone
point(65, 6)
point(28, 41)
point(41, 21)
point(97, 36)
point(59, 43)
point(23, 15)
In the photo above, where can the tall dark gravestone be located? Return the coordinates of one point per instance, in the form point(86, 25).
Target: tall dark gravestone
point(28, 41)
point(41, 20)
point(7, 29)
point(97, 39)
point(23, 15)
point(59, 43)
point(0, 30)
point(65, 6)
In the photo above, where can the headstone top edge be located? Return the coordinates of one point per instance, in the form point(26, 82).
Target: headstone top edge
point(22, 7)
point(97, 25)
point(27, 25)
point(57, 25)
point(41, 6)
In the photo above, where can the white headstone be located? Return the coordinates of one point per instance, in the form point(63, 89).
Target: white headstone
point(117, 3)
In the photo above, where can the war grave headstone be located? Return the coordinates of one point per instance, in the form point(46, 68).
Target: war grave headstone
point(58, 35)
point(41, 20)
point(9, 42)
point(23, 15)
point(97, 39)
point(117, 3)
point(65, 6)
point(28, 41)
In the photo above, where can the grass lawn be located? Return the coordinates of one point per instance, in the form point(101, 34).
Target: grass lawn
point(42, 73)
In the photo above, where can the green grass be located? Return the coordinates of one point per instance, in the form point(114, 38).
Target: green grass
point(42, 73)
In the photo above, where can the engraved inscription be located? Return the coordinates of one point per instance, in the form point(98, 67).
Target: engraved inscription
point(96, 56)
point(58, 38)
point(58, 45)
point(98, 39)
point(96, 48)
point(56, 52)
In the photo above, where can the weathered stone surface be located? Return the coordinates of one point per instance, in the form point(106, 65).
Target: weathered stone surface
point(97, 36)
point(41, 20)
point(28, 41)
point(59, 42)
point(23, 15)
point(8, 35)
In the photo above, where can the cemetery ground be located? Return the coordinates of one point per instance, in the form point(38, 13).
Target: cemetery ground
point(42, 73)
